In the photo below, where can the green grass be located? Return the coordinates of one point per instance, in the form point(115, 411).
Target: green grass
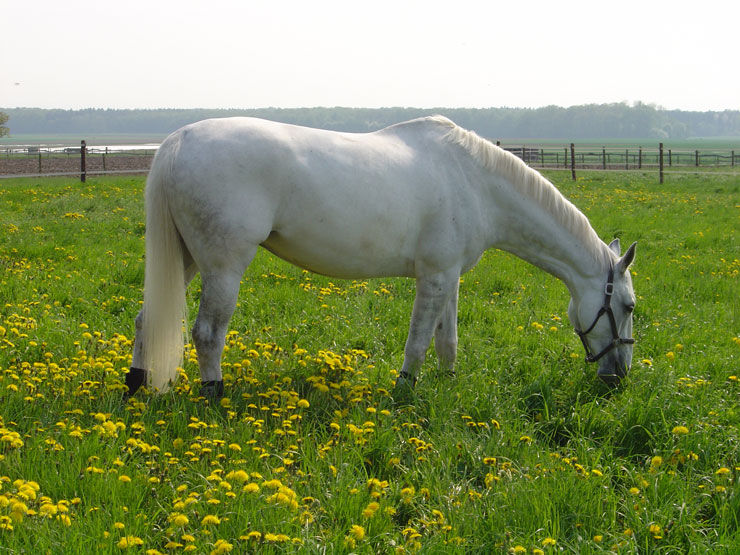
point(309, 453)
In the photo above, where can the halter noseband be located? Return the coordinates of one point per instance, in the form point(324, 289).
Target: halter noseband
point(605, 309)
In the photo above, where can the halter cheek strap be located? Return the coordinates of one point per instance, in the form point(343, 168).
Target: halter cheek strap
point(605, 309)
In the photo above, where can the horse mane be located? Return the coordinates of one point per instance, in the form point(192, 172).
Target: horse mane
point(528, 181)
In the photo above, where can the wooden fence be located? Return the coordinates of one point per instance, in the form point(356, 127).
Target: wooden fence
point(574, 157)
point(85, 161)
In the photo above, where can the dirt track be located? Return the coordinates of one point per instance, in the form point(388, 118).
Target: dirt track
point(71, 164)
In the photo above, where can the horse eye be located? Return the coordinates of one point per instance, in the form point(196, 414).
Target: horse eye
point(629, 308)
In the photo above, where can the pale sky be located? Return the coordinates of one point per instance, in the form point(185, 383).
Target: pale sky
point(425, 53)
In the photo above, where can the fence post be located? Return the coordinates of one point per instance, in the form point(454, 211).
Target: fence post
point(603, 157)
point(732, 158)
point(627, 159)
point(573, 161)
point(39, 160)
point(661, 163)
point(83, 167)
point(639, 159)
point(697, 158)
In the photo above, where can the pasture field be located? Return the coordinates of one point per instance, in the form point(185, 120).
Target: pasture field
point(524, 451)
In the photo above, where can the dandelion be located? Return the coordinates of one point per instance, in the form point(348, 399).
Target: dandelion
point(178, 519)
point(357, 532)
point(680, 430)
point(656, 461)
point(670, 355)
point(129, 541)
point(209, 520)
point(724, 471)
point(251, 488)
point(370, 510)
point(220, 547)
point(549, 542)
point(656, 530)
point(276, 538)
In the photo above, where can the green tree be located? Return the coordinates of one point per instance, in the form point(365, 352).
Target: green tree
point(3, 130)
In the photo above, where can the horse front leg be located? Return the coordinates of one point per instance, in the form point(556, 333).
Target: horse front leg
point(445, 337)
point(433, 294)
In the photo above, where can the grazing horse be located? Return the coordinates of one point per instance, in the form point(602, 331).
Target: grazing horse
point(421, 199)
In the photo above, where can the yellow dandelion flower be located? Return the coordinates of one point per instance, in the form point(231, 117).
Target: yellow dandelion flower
point(357, 532)
point(178, 519)
point(209, 520)
point(656, 461)
point(251, 488)
point(724, 471)
point(680, 430)
point(48, 510)
point(221, 547)
point(370, 510)
point(129, 541)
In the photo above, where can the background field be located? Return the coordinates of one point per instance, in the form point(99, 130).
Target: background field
point(523, 451)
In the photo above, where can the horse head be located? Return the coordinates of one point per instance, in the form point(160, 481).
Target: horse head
point(602, 317)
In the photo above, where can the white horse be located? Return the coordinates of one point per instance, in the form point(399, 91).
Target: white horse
point(421, 199)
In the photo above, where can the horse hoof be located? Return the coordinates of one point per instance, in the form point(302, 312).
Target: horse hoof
point(135, 378)
point(403, 392)
point(212, 390)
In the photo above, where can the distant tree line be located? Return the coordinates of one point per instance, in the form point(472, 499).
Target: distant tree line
point(619, 120)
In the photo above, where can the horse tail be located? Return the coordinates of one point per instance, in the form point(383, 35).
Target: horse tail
point(164, 282)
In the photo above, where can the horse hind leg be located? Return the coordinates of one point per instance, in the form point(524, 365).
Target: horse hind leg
point(217, 303)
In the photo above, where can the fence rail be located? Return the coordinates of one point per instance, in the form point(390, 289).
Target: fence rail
point(588, 157)
point(84, 160)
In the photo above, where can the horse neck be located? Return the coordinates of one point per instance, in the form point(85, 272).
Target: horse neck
point(538, 235)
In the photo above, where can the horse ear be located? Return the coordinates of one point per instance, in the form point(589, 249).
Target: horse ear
point(615, 246)
point(626, 261)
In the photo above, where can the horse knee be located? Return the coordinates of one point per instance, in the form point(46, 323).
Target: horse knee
point(203, 336)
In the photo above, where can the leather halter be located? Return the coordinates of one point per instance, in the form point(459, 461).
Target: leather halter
point(605, 309)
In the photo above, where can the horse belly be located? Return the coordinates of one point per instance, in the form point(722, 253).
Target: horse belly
point(348, 252)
